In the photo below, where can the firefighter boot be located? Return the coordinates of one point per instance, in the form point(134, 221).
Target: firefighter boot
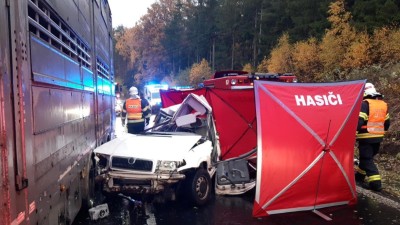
point(360, 175)
point(360, 178)
point(375, 185)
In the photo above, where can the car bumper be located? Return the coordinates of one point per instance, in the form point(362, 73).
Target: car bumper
point(138, 183)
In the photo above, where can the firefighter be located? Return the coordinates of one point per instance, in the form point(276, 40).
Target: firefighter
point(134, 111)
point(147, 111)
point(373, 122)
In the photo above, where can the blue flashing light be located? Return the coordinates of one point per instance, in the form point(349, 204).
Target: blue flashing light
point(157, 86)
point(182, 87)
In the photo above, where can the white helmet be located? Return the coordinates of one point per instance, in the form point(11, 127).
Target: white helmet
point(133, 91)
point(370, 90)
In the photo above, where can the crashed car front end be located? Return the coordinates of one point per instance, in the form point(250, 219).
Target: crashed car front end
point(146, 164)
point(127, 174)
point(175, 156)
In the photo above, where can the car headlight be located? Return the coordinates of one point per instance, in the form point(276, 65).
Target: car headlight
point(167, 165)
point(233, 81)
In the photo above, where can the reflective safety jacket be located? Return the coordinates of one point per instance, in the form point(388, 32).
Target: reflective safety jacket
point(134, 109)
point(373, 119)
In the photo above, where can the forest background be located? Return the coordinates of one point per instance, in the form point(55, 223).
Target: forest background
point(180, 42)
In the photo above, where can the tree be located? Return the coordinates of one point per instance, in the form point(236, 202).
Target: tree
point(248, 67)
point(281, 56)
point(306, 60)
point(121, 63)
point(309, 19)
point(182, 78)
point(199, 72)
point(337, 39)
point(386, 45)
point(359, 52)
point(263, 66)
point(370, 15)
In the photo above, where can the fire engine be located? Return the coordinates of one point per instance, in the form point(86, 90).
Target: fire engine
point(56, 106)
point(237, 79)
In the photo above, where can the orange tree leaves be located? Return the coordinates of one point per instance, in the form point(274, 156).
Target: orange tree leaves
point(306, 59)
point(199, 72)
point(281, 56)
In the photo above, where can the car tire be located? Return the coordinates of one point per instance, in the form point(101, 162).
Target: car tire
point(199, 184)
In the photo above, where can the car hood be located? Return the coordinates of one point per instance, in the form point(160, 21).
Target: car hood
point(153, 146)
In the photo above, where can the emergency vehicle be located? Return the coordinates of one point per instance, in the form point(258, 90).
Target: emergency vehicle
point(237, 79)
point(56, 106)
point(152, 94)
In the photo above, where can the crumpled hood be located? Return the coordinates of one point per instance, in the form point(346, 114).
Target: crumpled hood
point(160, 147)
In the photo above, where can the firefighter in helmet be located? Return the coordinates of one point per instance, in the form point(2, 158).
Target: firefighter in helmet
point(373, 122)
point(134, 111)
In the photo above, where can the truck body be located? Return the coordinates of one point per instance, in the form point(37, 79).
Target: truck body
point(56, 105)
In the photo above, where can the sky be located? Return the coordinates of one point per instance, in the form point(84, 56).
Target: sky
point(128, 12)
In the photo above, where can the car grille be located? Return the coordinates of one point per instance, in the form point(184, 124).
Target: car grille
point(131, 164)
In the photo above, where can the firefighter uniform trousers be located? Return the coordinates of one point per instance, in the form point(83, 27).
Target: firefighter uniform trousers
point(135, 126)
point(367, 166)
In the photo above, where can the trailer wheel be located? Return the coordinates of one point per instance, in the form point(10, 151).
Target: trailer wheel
point(200, 187)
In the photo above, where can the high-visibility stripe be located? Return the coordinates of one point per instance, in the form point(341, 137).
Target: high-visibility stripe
point(135, 121)
point(363, 115)
point(135, 116)
point(374, 178)
point(368, 135)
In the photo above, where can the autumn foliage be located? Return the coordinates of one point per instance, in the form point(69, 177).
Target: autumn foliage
point(199, 72)
point(342, 48)
point(248, 67)
point(306, 60)
point(281, 56)
point(386, 45)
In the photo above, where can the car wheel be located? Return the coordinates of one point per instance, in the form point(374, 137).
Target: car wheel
point(200, 187)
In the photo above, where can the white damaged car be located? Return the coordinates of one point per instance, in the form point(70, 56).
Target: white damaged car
point(178, 155)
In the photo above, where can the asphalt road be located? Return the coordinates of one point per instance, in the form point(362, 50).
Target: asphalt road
point(371, 209)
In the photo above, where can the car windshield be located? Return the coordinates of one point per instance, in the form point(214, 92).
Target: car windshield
point(190, 116)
